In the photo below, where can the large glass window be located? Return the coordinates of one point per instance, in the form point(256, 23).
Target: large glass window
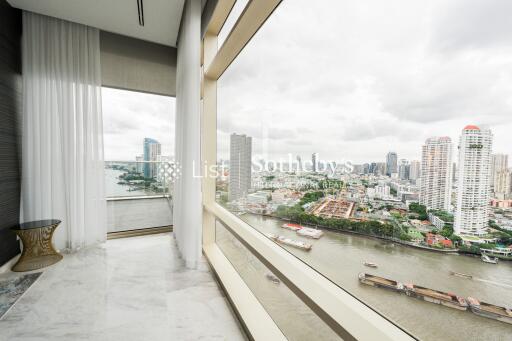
point(293, 317)
point(370, 140)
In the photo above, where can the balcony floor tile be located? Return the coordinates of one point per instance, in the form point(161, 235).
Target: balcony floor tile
point(129, 289)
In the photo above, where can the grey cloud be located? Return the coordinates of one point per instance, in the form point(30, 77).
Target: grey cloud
point(472, 24)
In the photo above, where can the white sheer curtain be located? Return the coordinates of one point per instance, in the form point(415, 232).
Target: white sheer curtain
point(187, 211)
point(62, 139)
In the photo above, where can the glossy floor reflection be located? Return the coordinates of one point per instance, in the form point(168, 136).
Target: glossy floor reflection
point(129, 289)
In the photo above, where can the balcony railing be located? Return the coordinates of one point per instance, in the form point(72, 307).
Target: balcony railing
point(139, 194)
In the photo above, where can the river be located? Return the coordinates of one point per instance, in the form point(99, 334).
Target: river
point(340, 257)
point(113, 189)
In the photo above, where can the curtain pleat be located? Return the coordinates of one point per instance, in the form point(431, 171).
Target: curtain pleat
point(62, 139)
point(187, 199)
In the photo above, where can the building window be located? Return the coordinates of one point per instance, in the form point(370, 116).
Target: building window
point(358, 122)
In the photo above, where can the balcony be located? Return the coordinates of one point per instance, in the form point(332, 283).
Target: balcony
point(135, 201)
point(227, 240)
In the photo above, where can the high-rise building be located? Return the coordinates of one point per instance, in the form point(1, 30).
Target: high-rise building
point(240, 156)
point(474, 181)
point(404, 169)
point(299, 164)
point(366, 168)
point(499, 164)
point(502, 184)
point(414, 170)
point(373, 168)
point(139, 165)
point(381, 168)
point(436, 173)
point(391, 164)
point(152, 149)
point(314, 161)
point(358, 169)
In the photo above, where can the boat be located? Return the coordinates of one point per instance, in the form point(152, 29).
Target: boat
point(293, 227)
point(370, 264)
point(490, 310)
point(380, 282)
point(487, 259)
point(460, 274)
point(434, 296)
point(272, 278)
point(310, 233)
point(290, 242)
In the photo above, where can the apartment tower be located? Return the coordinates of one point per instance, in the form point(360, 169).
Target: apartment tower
point(474, 181)
point(152, 150)
point(414, 170)
point(240, 155)
point(436, 173)
point(500, 176)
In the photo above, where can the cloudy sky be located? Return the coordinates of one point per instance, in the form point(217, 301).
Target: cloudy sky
point(354, 79)
point(129, 117)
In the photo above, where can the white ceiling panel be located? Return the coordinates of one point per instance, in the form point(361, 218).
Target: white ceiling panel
point(161, 17)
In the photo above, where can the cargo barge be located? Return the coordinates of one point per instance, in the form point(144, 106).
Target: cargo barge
point(380, 282)
point(490, 310)
point(434, 296)
point(310, 233)
point(290, 242)
point(443, 298)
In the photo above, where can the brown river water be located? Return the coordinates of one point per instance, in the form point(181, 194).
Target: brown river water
point(340, 257)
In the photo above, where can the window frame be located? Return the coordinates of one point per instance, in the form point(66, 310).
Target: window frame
point(345, 314)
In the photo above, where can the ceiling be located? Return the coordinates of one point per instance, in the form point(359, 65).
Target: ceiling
point(161, 17)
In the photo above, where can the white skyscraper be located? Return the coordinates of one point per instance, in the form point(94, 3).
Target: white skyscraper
point(499, 171)
point(474, 181)
point(436, 173)
point(299, 164)
point(240, 156)
point(139, 165)
point(414, 170)
point(502, 184)
point(404, 169)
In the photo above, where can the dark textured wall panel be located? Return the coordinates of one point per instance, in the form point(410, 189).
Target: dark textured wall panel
point(10, 107)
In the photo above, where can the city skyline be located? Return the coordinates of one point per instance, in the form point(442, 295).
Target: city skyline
point(381, 159)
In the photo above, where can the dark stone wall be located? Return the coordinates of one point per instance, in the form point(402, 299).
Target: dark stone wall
point(10, 108)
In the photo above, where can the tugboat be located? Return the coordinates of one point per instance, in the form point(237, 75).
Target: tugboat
point(380, 282)
point(490, 310)
point(487, 259)
point(434, 296)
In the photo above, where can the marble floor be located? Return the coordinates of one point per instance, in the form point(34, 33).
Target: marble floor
point(129, 289)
